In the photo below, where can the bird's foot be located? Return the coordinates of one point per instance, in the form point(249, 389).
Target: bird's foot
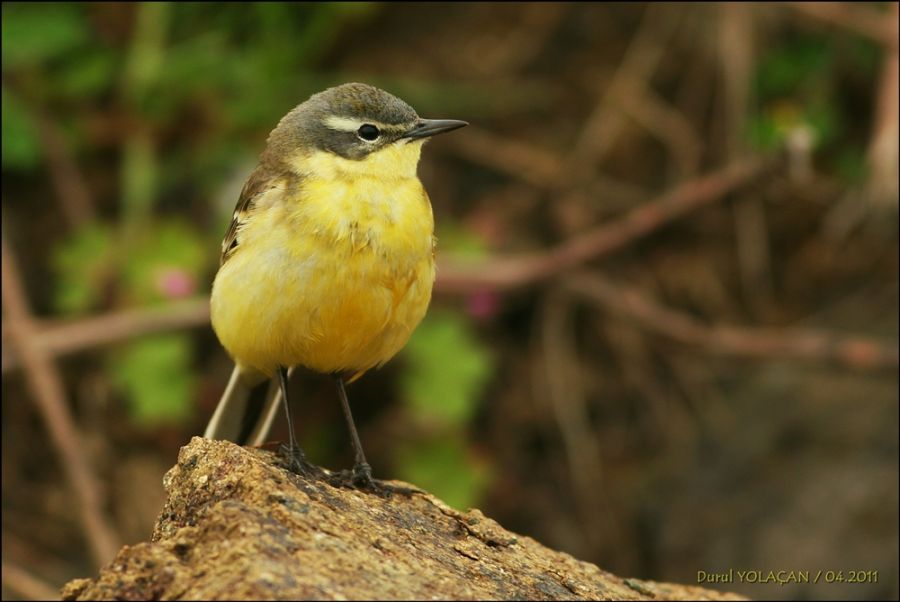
point(297, 463)
point(361, 478)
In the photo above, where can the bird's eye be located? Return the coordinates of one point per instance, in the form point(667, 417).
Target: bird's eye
point(368, 132)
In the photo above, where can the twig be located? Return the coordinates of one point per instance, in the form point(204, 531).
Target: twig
point(23, 582)
point(565, 392)
point(458, 276)
point(736, 60)
point(665, 122)
point(546, 169)
point(538, 167)
point(646, 49)
point(751, 234)
point(736, 41)
point(48, 394)
point(852, 352)
point(98, 331)
point(524, 40)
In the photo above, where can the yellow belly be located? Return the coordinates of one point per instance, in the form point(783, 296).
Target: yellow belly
point(334, 276)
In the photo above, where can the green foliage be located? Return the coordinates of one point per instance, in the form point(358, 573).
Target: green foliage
point(801, 65)
point(20, 141)
point(155, 376)
point(36, 33)
point(444, 466)
point(50, 55)
point(447, 369)
point(83, 263)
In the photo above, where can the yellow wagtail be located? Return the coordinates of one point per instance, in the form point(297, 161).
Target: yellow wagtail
point(329, 260)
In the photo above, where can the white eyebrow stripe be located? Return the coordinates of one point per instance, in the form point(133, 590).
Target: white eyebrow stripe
point(348, 124)
point(342, 124)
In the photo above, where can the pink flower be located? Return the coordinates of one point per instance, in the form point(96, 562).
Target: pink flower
point(175, 283)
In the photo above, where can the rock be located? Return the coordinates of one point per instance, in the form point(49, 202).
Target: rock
point(238, 526)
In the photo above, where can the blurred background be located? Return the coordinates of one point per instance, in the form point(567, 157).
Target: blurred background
point(664, 332)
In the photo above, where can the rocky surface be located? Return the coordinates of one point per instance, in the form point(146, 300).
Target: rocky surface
point(237, 525)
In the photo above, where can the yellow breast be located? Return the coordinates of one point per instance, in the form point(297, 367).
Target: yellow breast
point(333, 275)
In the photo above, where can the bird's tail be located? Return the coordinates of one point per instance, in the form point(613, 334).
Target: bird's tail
point(247, 408)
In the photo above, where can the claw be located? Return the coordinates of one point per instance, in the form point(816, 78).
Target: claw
point(362, 476)
point(297, 462)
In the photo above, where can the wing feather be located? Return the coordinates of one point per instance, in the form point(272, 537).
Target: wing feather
point(261, 180)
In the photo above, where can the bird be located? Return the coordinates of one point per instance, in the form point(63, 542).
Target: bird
point(329, 260)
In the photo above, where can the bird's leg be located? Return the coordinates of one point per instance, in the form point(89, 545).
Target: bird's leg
point(361, 476)
point(362, 472)
point(297, 458)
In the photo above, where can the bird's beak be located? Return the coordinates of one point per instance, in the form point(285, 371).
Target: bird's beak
point(425, 128)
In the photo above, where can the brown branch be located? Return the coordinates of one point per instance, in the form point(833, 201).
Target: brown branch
point(852, 352)
point(19, 580)
point(662, 120)
point(114, 327)
point(459, 276)
point(49, 396)
point(884, 150)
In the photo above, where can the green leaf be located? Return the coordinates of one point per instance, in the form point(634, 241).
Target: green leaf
point(34, 33)
point(447, 369)
point(444, 467)
point(82, 262)
point(87, 75)
point(156, 378)
point(21, 147)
